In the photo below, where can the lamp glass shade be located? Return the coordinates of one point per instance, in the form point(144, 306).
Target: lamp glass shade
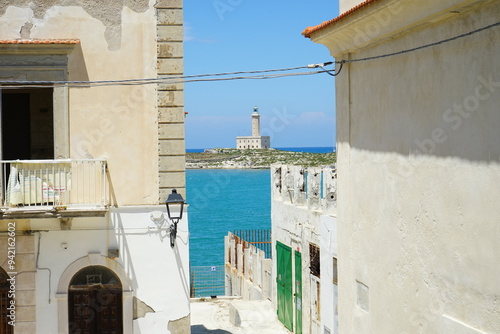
point(173, 202)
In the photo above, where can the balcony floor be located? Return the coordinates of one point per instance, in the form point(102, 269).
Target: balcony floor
point(31, 212)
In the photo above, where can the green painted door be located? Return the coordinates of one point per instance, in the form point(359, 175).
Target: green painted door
point(284, 283)
point(298, 293)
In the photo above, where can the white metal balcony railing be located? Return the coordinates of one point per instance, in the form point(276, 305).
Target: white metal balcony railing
point(58, 184)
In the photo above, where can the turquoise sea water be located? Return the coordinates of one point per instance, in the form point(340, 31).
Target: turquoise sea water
point(222, 200)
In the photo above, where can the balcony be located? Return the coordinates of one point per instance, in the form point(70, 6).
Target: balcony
point(53, 188)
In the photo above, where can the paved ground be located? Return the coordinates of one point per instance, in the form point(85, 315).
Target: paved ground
point(213, 317)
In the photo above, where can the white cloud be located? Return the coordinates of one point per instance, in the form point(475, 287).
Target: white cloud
point(190, 37)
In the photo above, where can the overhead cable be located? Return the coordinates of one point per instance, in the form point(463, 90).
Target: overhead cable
point(224, 76)
point(260, 74)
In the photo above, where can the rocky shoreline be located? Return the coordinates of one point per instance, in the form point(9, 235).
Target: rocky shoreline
point(254, 159)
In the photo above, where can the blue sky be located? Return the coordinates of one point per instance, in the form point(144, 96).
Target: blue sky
point(246, 35)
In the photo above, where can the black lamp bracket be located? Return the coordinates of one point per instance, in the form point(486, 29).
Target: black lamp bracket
point(173, 231)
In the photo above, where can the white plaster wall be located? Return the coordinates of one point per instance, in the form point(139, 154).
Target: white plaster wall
point(159, 273)
point(328, 248)
point(418, 165)
point(291, 226)
point(118, 123)
point(297, 226)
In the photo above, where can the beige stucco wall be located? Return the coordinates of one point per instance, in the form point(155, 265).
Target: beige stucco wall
point(134, 127)
point(418, 170)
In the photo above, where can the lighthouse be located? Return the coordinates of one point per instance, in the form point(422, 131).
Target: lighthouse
point(255, 122)
point(255, 141)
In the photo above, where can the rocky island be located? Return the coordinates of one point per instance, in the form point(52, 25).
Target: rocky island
point(256, 158)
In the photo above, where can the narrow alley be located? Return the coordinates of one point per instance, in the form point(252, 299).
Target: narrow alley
point(221, 316)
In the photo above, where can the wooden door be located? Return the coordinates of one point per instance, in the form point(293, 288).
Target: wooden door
point(284, 284)
point(95, 310)
point(298, 293)
point(315, 305)
point(95, 302)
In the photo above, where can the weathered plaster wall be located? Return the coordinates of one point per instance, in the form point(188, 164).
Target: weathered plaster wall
point(419, 163)
point(138, 129)
point(159, 274)
point(108, 12)
point(303, 213)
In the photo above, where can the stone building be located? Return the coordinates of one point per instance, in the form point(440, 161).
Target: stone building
point(304, 240)
point(86, 167)
point(255, 141)
point(418, 163)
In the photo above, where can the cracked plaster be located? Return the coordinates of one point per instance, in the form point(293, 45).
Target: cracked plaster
point(109, 12)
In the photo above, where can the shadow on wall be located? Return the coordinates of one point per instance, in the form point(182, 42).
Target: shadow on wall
point(426, 110)
point(77, 66)
point(200, 329)
point(125, 255)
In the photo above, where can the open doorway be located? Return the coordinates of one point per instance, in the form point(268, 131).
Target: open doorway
point(27, 124)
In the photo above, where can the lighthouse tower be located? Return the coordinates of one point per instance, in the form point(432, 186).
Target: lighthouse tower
point(255, 122)
point(255, 141)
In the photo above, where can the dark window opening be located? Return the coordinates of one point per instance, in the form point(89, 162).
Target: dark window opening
point(314, 260)
point(27, 124)
point(335, 273)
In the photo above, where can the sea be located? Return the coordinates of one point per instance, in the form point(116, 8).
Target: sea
point(222, 200)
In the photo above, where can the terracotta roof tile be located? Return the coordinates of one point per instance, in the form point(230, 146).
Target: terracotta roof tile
point(40, 41)
point(310, 30)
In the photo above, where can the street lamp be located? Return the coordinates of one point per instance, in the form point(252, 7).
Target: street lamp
point(174, 200)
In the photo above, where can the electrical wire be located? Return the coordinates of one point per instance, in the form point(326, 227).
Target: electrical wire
point(345, 61)
point(334, 74)
point(226, 76)
point(261, 74)
point(39, 268)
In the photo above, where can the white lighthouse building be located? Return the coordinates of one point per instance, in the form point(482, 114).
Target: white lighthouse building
point(255, 141)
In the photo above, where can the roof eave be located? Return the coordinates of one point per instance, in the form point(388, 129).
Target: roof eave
point(389, 17)
point(311, 30)
point(38, 46)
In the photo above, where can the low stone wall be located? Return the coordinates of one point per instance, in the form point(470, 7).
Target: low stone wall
point(247, 271)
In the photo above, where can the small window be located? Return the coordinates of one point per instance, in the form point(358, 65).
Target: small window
point(95, 275)
point(335, 275)
point(314, 260)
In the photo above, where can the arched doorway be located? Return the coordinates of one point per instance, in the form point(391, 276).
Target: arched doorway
point(95, 302)
point(5, 328)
